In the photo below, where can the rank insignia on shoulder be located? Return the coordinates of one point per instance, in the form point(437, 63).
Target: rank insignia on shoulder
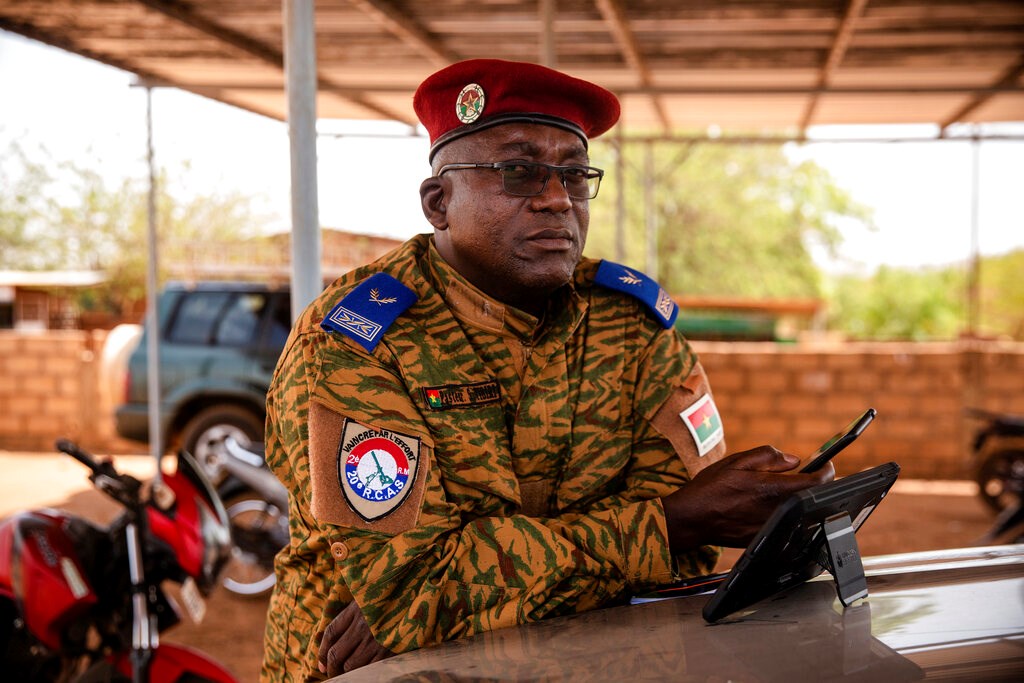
point(370, 309)
point(636, 284)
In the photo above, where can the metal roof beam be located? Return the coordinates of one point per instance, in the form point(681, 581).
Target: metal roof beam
point(213, 89)
point(144, 77)
point(262, 51)
point(844, 34)
point(615, 17)
point(408, 31)
point(1007, 79)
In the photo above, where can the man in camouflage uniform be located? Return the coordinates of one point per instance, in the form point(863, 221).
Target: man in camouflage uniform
point(482, 428)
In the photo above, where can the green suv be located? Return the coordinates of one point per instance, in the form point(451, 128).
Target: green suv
point(219, 343)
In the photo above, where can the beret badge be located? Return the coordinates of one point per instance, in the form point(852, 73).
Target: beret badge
point(470, 103)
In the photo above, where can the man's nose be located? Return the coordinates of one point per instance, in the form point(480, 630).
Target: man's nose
point(554, 197)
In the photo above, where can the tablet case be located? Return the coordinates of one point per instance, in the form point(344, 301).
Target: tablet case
point(811, 532)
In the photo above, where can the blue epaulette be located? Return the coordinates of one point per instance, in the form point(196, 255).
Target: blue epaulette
point(370, 309)
point(638, 285)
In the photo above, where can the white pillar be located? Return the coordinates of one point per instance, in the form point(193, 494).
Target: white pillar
point(156, 439)
point(300, 83)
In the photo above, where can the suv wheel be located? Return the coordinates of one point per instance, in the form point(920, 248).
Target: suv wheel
point(205, 433)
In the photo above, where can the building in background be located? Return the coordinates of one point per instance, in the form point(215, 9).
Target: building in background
point(51, 300)
point(43, 300)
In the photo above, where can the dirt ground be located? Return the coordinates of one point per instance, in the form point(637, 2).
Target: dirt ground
point(916, 516)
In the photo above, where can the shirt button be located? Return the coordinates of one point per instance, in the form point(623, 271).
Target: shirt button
point(339, 551)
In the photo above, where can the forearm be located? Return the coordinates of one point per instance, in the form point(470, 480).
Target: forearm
point(419, 588)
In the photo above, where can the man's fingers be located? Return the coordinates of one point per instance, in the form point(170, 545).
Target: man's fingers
point(348, 644)
point(368, 651)
point(335, 632)
point(339, 655)
point(764, 459)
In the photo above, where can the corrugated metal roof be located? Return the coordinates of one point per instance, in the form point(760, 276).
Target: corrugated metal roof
point(678, 66)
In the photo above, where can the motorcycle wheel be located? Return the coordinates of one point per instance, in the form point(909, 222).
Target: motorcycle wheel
point(1001, 479)
point(203, 436)
point(258, 531)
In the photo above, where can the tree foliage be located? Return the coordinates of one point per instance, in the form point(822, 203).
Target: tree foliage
point(1001, 295)
point(899, 303)
point(732, 220)
point(932, 304)
point(66, 216)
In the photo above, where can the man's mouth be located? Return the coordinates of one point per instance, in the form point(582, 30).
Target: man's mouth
point(553, 239)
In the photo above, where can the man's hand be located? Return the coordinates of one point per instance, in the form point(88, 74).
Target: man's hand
point(729, 501)
point(347, 643)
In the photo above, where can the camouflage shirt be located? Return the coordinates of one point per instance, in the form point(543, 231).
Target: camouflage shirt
point(476, 467)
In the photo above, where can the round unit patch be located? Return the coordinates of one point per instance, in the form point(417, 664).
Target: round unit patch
point(376, 468)
point(470, 103)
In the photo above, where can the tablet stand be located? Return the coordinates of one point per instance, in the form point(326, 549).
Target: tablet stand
point(842, 559)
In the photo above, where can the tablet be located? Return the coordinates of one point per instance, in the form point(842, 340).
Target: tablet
point(791, 547)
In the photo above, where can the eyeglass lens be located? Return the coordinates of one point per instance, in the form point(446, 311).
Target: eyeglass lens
point(529, 179)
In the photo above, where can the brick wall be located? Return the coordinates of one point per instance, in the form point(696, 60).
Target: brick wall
point(796, 397)
point(57, 384)
point(63, 383)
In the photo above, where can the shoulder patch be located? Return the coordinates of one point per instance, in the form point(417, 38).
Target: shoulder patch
point(638, 285)
point(370, 309)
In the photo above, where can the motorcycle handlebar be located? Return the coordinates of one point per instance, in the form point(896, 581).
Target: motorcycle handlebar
point(72, 449)
point(121, 487)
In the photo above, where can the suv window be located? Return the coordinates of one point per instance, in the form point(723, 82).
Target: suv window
point(224, 319)
point(280, 323)
point(240, 323)
point(196, 315)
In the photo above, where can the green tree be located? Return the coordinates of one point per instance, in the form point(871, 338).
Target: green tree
point(67, 216)
point(1001, 295)
point(24, 200)
point(733, 220)
point(899, 303)
point(931, 304)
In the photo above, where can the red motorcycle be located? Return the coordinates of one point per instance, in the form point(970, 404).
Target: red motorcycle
point(84, 604)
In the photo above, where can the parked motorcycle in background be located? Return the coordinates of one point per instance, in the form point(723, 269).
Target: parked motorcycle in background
point(999, 461)
point(257, 507)
point(83, 603)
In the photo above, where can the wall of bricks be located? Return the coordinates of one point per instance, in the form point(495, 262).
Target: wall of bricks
point(63, 383)
point(796, 397)
point(58, 384)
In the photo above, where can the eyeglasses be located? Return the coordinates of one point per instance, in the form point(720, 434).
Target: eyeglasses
point(529, 178)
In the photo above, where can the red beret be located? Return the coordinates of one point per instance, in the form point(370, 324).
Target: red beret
point(470, 96)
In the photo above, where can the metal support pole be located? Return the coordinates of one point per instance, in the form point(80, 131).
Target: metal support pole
point(620, 195)
point(301, 82)
point(156, 440)
point(650, 212)
point(548, 54)
point(974, 275)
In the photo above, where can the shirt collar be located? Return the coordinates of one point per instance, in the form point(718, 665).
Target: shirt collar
point(473, 307)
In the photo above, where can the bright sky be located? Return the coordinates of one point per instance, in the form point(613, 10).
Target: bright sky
point(81, 110)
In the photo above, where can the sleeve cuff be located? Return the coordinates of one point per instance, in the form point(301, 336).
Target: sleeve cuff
point(645, 549)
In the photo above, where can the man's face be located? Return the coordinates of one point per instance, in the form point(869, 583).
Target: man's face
point(516, 249)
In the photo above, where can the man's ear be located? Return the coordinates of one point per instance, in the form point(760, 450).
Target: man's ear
point(433, 201)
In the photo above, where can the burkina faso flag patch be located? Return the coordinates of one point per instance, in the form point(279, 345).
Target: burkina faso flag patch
point(704, 423)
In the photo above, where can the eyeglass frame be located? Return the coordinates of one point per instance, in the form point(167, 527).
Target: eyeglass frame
point(551, 168)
